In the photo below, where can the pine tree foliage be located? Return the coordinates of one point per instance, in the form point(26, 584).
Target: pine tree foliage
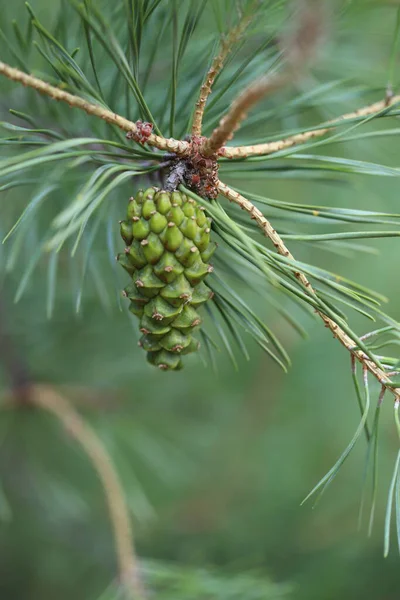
point(146, 60)
point(94, 168)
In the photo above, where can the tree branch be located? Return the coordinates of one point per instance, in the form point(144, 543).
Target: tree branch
point(48, 399)
point(279, 244)
point(301, 138)
point(299, 46)
point(227, 44)
point(179, 147)
point(168, 145)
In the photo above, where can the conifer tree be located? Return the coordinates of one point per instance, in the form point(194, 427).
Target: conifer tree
point(136, 120)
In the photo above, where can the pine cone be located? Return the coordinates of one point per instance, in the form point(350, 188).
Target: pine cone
point(168, 249)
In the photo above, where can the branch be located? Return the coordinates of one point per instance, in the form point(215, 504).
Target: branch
point(238, 112)
point(301, 138)
point(338, 333)
point(168, 145)
point(216, 67)
point(299, 47)
point(49, 400)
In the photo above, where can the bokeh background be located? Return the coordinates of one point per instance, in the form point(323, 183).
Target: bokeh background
point(214, 464)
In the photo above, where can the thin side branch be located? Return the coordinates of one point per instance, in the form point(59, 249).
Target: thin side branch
point(227, 45)
point(238, 112)
point(338, 333)
point(302, 138)
point(167, 145)
point(48, 399)
point(299, 47)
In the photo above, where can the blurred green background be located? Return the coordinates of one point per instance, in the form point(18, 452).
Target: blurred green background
point(214, 465)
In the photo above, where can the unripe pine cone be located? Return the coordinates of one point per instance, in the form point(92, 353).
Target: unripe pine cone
point(168, 248)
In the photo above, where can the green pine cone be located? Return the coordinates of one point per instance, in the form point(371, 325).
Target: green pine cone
point(168, 248)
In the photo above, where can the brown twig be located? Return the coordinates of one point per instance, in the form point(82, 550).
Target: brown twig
point(279, 244)
point(298, 48)
point(50, 400)
point(227, 45)
point(301, 138)
point(238, 112)
point(168, 145)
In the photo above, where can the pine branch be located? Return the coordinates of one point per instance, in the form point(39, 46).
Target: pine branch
point(177, 146)
point(49, 400)
point(168, 145)
point(281, 248)
point(302, 138)
point(217, 65)
point(181, 147)
point(300, 46)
